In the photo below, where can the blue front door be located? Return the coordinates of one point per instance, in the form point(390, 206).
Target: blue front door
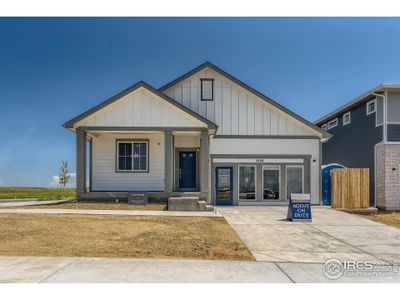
point(187, 169)
point(223, 186)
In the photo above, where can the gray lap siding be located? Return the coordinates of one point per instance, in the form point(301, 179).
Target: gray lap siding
point(353, 145)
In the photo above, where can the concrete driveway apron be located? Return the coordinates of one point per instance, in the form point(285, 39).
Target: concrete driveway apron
point(332, 234)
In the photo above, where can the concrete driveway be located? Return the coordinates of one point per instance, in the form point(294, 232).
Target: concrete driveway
point(332, 234)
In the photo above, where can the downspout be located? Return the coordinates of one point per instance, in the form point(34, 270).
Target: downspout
point(384, 113)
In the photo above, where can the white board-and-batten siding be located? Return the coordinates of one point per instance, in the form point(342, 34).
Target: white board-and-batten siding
point(234, 109)
point(105, 177)
point(140, 108)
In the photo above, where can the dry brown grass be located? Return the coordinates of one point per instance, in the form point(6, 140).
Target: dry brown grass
point(120, 236)
point(98, 205)
point(388, 218)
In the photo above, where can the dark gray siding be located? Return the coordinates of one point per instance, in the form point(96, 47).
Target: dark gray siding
point(353, 145)
point(393, 132)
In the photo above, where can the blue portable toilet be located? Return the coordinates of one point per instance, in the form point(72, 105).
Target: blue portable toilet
point(326, 182)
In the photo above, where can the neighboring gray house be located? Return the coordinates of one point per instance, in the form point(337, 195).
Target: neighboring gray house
point(366, 134)
point(205, 134)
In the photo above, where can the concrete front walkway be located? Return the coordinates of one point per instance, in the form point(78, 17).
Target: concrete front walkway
point(332, 234)
point(110, 212)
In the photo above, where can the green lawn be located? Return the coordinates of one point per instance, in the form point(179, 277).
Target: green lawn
point(39, 193)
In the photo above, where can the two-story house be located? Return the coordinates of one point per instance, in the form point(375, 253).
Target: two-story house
point(366, 134)
point(204, 134)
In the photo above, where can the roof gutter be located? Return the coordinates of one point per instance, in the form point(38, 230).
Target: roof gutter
point(349, 104)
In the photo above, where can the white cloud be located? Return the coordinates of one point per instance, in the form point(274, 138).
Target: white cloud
point(71, 183)
point(2, 183)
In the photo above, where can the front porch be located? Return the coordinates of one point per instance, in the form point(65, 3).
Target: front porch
point(165, 162)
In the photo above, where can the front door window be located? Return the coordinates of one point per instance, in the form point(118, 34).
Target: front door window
point(224, 186)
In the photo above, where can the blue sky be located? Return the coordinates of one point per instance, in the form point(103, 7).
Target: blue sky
point(52, 69)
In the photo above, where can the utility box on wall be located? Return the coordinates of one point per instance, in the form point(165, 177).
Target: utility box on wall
point(138, 198)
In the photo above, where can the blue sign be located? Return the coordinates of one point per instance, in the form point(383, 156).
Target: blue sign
point(299, 208)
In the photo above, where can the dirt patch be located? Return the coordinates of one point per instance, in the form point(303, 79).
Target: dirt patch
point(96, 206)
point(120, 236)
point(388, 218)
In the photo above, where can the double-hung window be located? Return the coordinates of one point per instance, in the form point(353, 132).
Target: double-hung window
point(132, 156)
point(371, 107)
point(347, 118)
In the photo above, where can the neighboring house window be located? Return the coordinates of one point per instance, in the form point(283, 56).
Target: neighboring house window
point(132, 156)
point(323, 127)
point(207, 89)
point(371, 107)
point(332, 123)
point(346, 118)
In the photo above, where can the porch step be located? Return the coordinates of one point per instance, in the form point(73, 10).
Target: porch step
point(209, 208)
point(188, 204)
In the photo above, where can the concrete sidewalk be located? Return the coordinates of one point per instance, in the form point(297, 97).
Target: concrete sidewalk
point(111, 212)
point(28, 202)
point(116, 270)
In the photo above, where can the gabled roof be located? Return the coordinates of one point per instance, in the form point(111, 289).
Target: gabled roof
point(210, 65)
point(364, 97)
point(140, 84)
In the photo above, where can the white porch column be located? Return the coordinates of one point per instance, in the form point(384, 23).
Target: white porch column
point(204, 160)
point(80, 161)
point(169, 161)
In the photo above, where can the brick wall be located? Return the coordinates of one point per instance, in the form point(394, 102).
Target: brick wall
point(388, 176)
point(380, 176)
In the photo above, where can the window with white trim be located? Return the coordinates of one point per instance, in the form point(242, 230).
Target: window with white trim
point(271, 182)
point(132, 156)
point(247, 182)
point(333, 123)
point(346, 118)
point(371, 107)
point(207, 89)
point(294, 180)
